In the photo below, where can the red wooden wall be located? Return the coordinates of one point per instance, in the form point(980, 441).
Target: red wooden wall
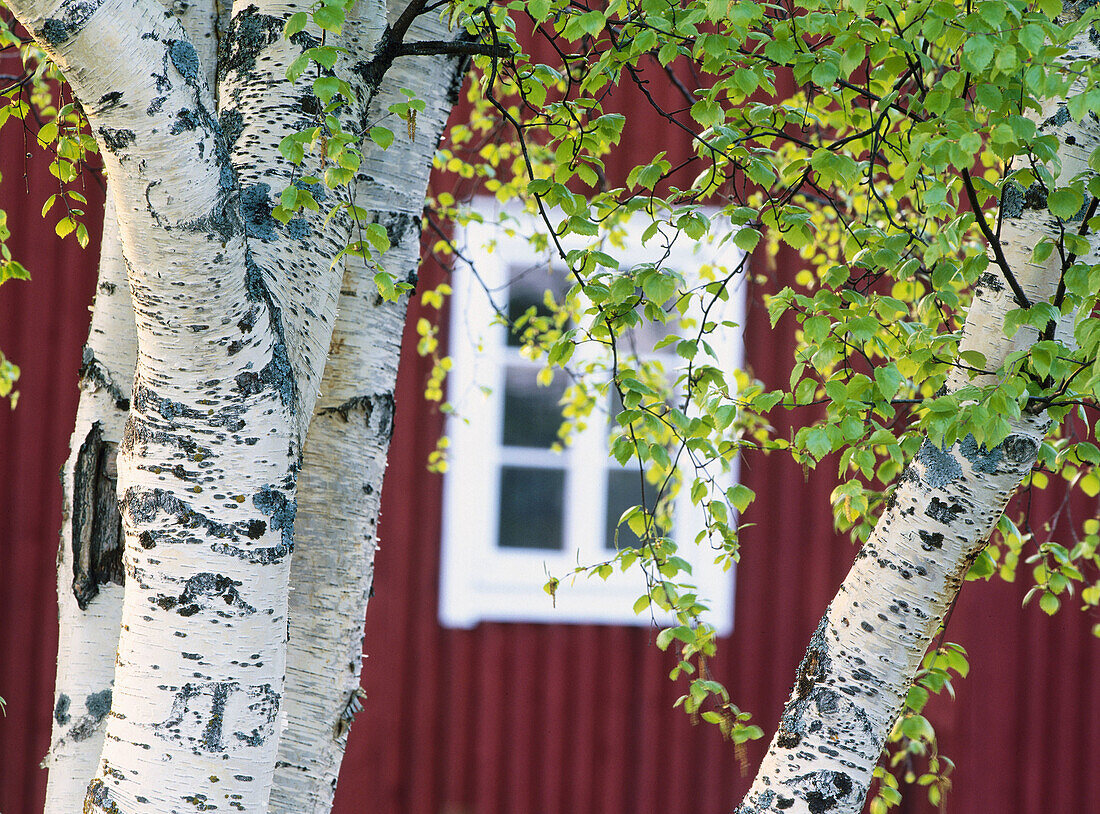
point(535, 719)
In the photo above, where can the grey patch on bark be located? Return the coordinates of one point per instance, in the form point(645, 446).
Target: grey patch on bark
point(981, 459)
point(299, 228)
point(318, 191)
point(185, 121)
point(115, 140)
point(352, 707)
point(398, 226)
point(1012, 200)
point(282, 512)
point(93, 374)
point(147, 400)
point(72, 15)
point(824, 790)
point(186, 61)
point(141, 506)
point(203, 592)
point(815, 665)
point(98, 704)
point(938, 467)
point(1060, 117)
point(249, 33)
point(1035, 197)
point(61, 709)
point(100, 796)
point(97, 540)
point(277, 374)
point(256, 211)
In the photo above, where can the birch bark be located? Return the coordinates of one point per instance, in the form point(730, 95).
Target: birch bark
point(866, 651)
point(90, 573)
point(208, 464)
point(345, 451)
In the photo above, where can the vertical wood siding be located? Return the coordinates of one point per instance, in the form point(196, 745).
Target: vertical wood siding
point(537, 719)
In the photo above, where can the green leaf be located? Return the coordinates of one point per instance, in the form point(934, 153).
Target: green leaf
point(381, 136)
point(1064, 203)
point(330, 18)
point(297, 67)
point(741, 496)
point(295, 23)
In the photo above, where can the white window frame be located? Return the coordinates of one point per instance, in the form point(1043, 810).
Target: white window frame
point(480, 581)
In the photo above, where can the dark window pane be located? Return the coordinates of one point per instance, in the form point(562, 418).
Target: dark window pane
point(531, 413)
point(531, 503)
point(623, 491)
point(527, 289)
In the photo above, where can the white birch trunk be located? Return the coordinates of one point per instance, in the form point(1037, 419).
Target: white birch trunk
point(89, 562)
point(345, 451)
point(208, 464)
point(868, 647)
point(90, 574)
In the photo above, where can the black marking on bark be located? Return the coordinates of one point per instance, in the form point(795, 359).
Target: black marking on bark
point(97, 540)
point(824, 790)
point(256, 211)
point(991, 281)
point(398, 225)
point(939, 468)
point(183, 56)
point(783, 803)
point(232, 124)
point(109, 101)
point(61, 710)
point(201, 591)
point(930, 540)
point(867, 626)
point(93, 374)
point(1058, 119)
point(155, 105)
point(205, 705)
point(276, 374)
point(981, 459)
point(1020, 449)
point(115, 140)
point(73, 15)
point(249, 33)
point(382, 404)
point(943, 512)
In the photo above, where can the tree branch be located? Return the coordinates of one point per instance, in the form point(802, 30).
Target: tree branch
point(456, 48)
point(994, 243)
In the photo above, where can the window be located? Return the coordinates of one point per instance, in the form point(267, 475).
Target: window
point(515, 510)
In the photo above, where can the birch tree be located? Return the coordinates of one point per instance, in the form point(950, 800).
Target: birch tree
point(934, 166)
